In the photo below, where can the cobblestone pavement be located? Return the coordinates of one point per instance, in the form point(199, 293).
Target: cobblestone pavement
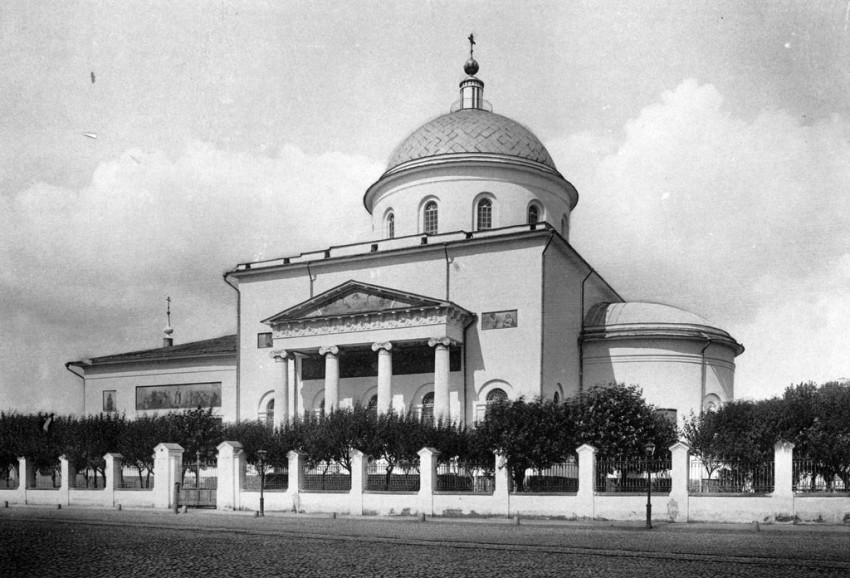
point(40, 541)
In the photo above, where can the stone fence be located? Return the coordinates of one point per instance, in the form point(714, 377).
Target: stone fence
point(679, 504)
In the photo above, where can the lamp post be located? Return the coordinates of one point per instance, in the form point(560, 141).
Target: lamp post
point(650, 451)
point(261, 454)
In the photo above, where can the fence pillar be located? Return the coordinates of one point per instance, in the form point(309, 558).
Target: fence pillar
point(67, 476)
point(26, 478)
point(501, 487)
point(296, 477)
point(783, 479)
point(230, 475)
point(114, 476)
point(167, 471)
point(586, 495)
point(427, 479)
point(678, 503)
point(359, 463)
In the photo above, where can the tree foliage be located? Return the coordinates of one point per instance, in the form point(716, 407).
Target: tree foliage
point(812, 417)
point(618, 422)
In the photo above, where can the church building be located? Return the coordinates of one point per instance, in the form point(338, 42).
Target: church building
point(468, 293)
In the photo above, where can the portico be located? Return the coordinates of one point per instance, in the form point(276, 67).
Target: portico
point(354, 333)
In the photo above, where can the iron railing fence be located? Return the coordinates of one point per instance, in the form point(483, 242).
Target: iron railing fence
point(88, 480)
point(400, 478)
point(203, 477)
point(731, 477)
point(462, 477)
point(811, 476)
point(276, 478)
point(557, 478)
point(9, 479)
point(49, 478)
point(132, 481)
point(326, 476)
point(630, 475)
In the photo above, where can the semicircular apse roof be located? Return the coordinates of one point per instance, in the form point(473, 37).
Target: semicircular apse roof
point(471, 131)
point(647, 319)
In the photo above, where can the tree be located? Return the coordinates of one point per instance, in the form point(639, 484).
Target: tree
point(395, 438)
point(826, 439)
point(618, 422)
point(14, 430)
point(700, 433)
point(89, 439)
point(199, 432)
point(137, 441)
point(533, 434)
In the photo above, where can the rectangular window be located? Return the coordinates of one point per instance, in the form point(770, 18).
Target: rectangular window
point(264, 340)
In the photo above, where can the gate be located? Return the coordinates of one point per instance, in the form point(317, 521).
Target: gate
point(200, 482)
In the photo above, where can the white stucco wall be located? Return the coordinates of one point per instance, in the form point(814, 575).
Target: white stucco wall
point(493, 275)
point(457, 187)
point(126, 377)
point(564, 273)
point(668, 370)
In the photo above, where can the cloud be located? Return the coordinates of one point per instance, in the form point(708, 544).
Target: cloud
point(86, 271)
point(739, 220)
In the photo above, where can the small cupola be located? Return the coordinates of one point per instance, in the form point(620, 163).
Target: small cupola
point(168, 341)
point(471, 88)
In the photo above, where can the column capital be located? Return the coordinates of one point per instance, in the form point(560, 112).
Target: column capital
point(280, 355)
point(329, 350)
point(444, 341)
point(385, 345)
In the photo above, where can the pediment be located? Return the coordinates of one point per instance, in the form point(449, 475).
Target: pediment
point(354, 298)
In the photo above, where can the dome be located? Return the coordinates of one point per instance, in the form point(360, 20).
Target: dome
point(471, 131)
point(636, 319)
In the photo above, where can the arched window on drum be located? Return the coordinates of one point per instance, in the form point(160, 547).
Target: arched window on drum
point(484, 215)
point(389, 225)
point(430, 218)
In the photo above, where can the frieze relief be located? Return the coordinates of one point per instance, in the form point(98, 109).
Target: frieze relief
point(371, 322)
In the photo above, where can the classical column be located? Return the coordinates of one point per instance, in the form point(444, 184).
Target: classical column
point(281, 390)
point(441, 376)
point(385, 375)
point(331, 353)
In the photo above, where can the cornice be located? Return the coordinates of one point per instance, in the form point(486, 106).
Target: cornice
point(470, 159)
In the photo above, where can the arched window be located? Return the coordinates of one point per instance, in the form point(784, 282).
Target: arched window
point(496, 395)
point(428, 407)
point(429, 218)
point(564, 224)
point(533, 214)
point(372, 406)
point(270, 413)
point(557, 397)
point(389, 225)
point(484, 215)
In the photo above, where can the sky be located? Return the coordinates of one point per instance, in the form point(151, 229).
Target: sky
point(709, 143)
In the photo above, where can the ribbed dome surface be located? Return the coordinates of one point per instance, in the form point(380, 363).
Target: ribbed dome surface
point(471, 131)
